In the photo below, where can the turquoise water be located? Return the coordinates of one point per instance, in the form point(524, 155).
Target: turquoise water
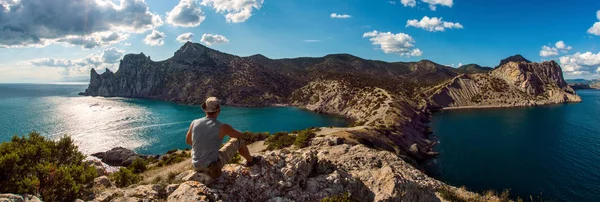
point(147, 126)
point(550, 151)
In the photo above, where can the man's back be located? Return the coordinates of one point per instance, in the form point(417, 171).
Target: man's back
point(205, 141)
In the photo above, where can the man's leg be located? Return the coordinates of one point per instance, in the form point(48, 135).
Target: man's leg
point(230, 148)
point(244, 152)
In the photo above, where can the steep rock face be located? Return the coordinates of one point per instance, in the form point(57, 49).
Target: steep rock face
point(366, 105)
point(513, 84)
point(395, 123)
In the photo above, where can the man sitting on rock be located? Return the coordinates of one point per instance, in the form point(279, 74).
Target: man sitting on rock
point(206, 135)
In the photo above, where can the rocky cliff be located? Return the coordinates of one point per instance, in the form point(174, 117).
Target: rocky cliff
point(196, 71)
point(512, 84)
point(330, 166)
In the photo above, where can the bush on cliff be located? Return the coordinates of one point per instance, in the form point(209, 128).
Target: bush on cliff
point(250, 137)
point(139, 165)
point(125, 177)
point(279, 140)
point(36, 165)
point(303, 138)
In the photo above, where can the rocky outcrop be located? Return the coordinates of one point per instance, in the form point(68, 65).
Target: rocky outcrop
point(118, 156)
point(394, 122)
point(328, 167)
point(513, 84)
point(19, 198)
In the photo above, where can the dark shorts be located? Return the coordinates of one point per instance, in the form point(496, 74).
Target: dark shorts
point(225, 154)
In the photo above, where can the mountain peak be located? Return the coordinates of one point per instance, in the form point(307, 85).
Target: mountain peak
point(514, 58)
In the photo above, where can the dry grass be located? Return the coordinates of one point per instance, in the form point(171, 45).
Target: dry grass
point(162, 173)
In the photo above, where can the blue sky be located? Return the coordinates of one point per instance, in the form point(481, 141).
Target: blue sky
point(481, 32)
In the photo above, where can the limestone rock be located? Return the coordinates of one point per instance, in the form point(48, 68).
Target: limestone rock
point(509, 85)
point(11, 198)
point(103, 182)
point(171, 188)
point(108, 195)
point(98, 166)
point(152, 191)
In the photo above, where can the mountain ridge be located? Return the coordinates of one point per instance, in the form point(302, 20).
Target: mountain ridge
point(395, 97)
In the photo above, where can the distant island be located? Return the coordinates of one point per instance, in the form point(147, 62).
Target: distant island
point(584, 84)
point(389, 103)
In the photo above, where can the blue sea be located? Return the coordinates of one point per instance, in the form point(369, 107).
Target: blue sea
point(547, 152)
point(147, 126)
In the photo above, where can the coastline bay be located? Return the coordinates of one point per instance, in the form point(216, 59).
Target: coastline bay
point(545, 151)
point(147, 126)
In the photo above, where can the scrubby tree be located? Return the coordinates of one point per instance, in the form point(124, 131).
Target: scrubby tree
point(36, 165)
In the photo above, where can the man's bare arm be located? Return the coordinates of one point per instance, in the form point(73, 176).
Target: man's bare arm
point(226, 129)
point(188, 137)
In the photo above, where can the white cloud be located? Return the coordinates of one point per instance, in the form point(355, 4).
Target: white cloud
point(235, 11)
point(186, 14)
point(185, 37)
point(340, 16)
point(580, 63)
point(41, 22)
point(553, 51)
point(80, 67)
point(210, 39)
point(393, 2)
point(595, 29)
point(434, 3)
point(411, 3)
point(560, 45)
point(390, 43)
point(155, 38)
point(312, 40)
point(107, 56)
point(93, 40)
point(548, 51)
point(433, 24)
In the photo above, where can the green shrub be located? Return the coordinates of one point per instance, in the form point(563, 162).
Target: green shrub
point(345, 197)
point(235, 159)
point(125, 177)
point(173, 158)
point(36, 165)
point(279, 140)
point(250, 137)
point(139, 165)
point(303, 138)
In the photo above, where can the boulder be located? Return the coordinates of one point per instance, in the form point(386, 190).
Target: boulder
point(118, 156)
point(103, 182)
point(171, 188)
point(108, 195)
point(151, 191)
point(11, 198)
point(97, 164)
